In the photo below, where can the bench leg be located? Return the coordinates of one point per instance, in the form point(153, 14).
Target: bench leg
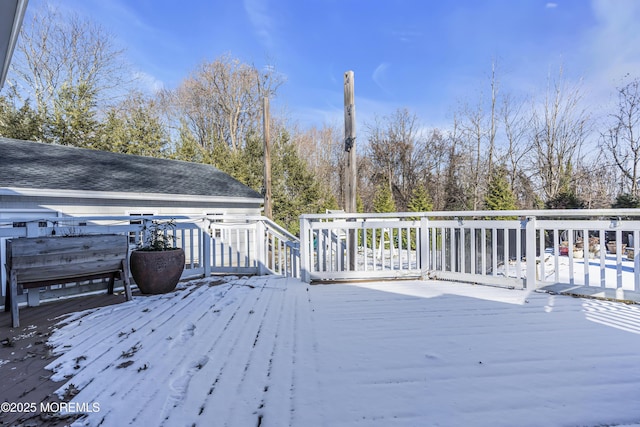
point(7, 294)
point(125, 279)
point(112, 280)
point(33, 297)
point(15, 315)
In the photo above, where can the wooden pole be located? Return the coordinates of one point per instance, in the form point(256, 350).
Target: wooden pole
point(350, 148)
point(267, 158)
point(350, 142)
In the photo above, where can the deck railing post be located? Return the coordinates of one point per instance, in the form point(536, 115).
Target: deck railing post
point(261, 238)
point(424, 247)
point(206, 251)
point(530, 252)
point(305, 263)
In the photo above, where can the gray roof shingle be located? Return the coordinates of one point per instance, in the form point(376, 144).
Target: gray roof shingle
point(26, 164)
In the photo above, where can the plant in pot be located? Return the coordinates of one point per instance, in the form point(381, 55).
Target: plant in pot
point(156, 264)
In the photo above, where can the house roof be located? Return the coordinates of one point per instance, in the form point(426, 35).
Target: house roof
point(11, 14)
point(38, 169)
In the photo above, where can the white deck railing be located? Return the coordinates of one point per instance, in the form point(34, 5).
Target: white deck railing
point(215, 244)
point(533, 249)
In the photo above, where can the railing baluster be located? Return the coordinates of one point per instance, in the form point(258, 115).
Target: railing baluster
point(365, 245)
point(585, 255)
point(473, 249)
point(506, 254)
point(572, 280)
point(556, 256)
point(518, 253)
point(453, 250)
point(494, 252)
point(603, 255)
point(636, 260)
point(433, 246)
point(484, 251)
point(618, 259)
point(463, 247)
point(541, 246)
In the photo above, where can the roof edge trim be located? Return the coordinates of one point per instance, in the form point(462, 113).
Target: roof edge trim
point(20, 10)
point(44, 192)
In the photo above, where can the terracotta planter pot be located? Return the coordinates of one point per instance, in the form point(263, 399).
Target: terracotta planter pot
point(157, 272)
point(611, 247)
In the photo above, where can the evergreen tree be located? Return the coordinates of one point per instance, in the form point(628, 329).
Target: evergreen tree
point(420, 200)
point(383, 202)
point(74, 117)
point(499, 196)
point(134, 127)
point(20, 123)
point(187, 148)
point(565, 200)
point(626, 200)
point(455, 198)
point(245, 164)
point(359, 204)
point(295, 189)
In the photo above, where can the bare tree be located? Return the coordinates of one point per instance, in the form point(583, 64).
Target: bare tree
point(323, 151)
point(455, 178)
point(596, 185)
point(58, 55)
point(516, 125)
point(366, 183)
point(221, 101)
point(622, 139)
point(559, 131)
point(435, 155)
point(478, 127)
point(474, 133)
point(493, 119)
point(392, 144)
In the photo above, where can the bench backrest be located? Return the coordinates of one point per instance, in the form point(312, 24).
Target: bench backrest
point(47, 259)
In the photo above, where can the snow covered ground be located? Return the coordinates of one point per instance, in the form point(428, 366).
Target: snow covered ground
point(269, 351)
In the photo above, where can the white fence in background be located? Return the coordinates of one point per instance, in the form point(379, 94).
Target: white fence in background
point(596, 248)
point(216, 244)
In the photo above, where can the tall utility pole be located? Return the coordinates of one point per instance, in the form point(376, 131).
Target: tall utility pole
point(350, 142)
point(267, 158)
point(350, 148)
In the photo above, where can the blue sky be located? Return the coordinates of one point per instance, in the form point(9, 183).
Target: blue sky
point(427, 56)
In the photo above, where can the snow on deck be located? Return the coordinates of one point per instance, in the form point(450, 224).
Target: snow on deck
point(267, 351)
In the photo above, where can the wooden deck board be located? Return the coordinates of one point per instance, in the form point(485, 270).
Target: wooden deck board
point(274, 351)
point(24, 355)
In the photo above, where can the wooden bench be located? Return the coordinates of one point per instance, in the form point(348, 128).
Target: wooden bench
point(34, 262)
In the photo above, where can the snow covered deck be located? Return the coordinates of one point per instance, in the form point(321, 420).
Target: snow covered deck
point(272, 351)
